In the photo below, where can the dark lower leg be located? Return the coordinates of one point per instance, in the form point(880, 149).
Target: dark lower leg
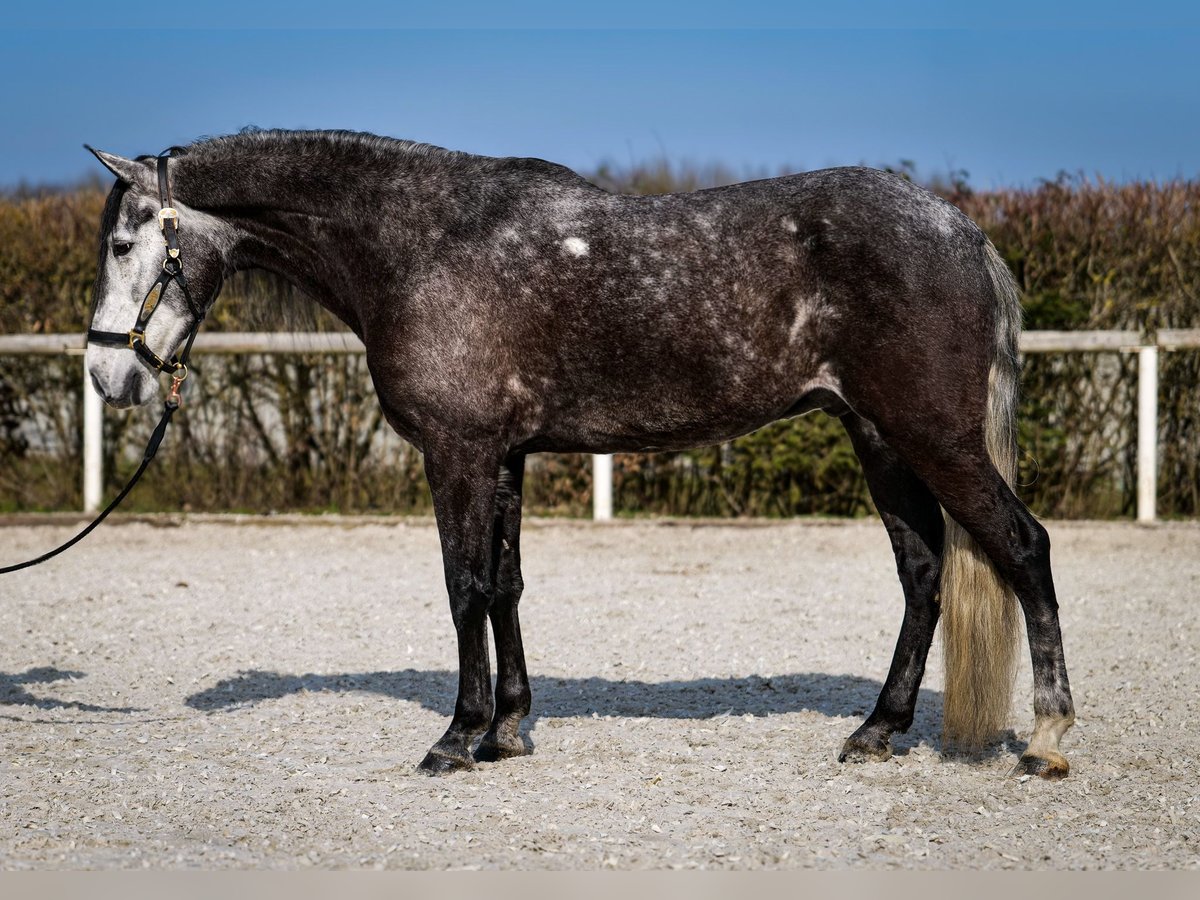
point(463, 483)
point(473, 708)
point(914, 523)
point(503, 738)
point(1053, 707)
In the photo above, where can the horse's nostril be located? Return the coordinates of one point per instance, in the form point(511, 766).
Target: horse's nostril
point(101, 389)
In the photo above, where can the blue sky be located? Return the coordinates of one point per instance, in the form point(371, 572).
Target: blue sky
point(1009, 97)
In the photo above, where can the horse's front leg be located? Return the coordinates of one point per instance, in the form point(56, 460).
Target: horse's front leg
point(462, 477)
point(503, 738)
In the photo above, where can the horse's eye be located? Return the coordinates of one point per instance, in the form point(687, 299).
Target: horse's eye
point(120, 248)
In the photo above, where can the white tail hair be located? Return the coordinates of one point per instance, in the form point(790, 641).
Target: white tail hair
point(980, 617)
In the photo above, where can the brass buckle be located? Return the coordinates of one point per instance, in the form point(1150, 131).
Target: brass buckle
point(169, 212)
point(135, 335)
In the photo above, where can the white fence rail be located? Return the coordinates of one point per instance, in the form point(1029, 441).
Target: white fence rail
point(1147, 348)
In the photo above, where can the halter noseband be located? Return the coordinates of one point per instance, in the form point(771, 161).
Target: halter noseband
point(172, 270)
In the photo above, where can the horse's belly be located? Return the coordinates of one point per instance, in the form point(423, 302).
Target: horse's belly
point(683, 415)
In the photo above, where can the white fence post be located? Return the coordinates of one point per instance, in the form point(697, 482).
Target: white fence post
point(1147, 434)
point(602, 505)
point(93, 429)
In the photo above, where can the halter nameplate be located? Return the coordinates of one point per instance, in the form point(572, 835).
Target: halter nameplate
point(152, 299)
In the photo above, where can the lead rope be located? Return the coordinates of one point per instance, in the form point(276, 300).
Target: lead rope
point(169, 407)
point(171, 404)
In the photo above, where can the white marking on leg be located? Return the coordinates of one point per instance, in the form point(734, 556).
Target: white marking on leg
point(1047, 732)
point(576, 246)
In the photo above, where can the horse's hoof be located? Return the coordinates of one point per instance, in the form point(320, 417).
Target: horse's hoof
point(493, 747)
point(439, 763)
point(1053, 766)
point(859, 749)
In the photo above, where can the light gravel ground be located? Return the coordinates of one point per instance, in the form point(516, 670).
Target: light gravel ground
point(257, 694)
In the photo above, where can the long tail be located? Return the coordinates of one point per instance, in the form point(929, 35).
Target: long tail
point(980, 617)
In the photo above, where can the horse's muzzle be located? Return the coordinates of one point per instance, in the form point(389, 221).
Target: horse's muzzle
point(133, 387)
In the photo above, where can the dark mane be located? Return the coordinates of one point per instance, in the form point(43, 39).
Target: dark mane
point(359, 148)
point(112, 206)
point(333, 143)
point(251, 138)
point(108, 221)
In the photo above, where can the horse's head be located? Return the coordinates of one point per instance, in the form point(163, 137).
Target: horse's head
point(132, 253)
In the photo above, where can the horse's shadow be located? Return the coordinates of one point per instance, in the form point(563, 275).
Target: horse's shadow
point(14, 693)
point(829, 695)
point(701, 698)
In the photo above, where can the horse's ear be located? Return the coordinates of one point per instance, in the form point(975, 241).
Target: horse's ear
point(133, 172)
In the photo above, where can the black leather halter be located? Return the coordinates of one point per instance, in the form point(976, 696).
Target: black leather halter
point(172, 271)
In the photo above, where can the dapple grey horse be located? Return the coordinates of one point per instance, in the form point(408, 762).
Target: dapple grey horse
point(508, 306)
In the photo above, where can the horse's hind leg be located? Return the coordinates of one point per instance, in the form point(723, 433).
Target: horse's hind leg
point(914, 523)
point(503, 738)
point(1019, 547)
point(961, 475)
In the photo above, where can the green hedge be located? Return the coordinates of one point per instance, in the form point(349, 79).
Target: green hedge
point(304, 433)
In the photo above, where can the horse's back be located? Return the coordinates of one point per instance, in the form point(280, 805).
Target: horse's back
point(683, 319)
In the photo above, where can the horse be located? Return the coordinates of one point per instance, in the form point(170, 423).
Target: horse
point(508, 306)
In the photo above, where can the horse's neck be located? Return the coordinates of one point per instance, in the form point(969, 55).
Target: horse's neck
point(334, 231)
